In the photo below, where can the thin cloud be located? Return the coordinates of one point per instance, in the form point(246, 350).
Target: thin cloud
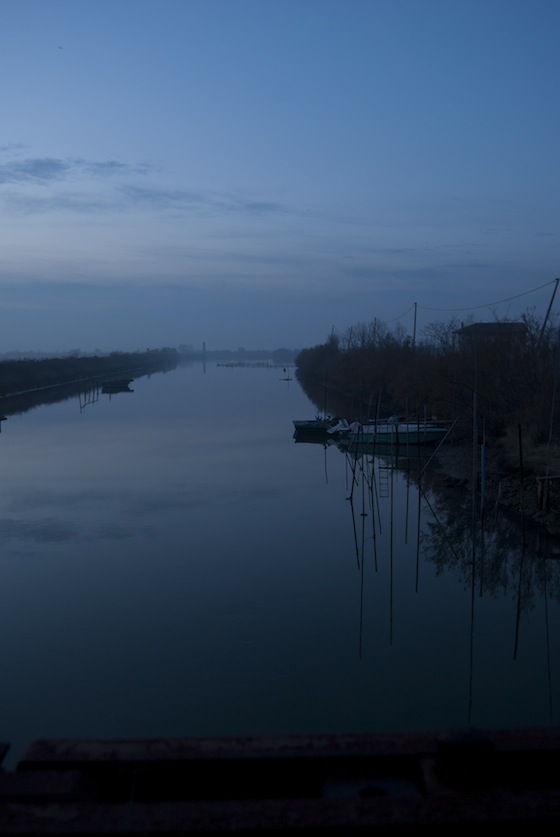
point(34, 170)
point(47, 170)
point(252, 207)
point(79, 202)
point(109, 168)
point(56, 172)
point(52, 170)
point(157, 198)
point(166, 199)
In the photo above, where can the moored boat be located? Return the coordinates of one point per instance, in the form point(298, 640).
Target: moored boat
point(115, 386)
point(395, 432)
point(319, 427)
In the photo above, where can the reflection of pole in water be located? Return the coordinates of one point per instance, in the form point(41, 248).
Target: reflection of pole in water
point(368, 483)
point(359, 546)
point(473, 545)
point(353, 467)
point(542, 563)
point(407, 499)
point(361, 598)
point(365, 481)
point(391, 530)
point(419, 510)
point(421, 471)
point(374, 501)
point(355, 531)
point(518, 609)
point(547, 628)
point(89, 396)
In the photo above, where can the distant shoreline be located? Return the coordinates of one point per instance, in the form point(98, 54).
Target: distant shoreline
point(25, 377)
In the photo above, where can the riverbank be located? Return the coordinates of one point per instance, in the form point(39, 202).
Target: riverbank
point(21, 377)
point(530, 492)
point(25, 385)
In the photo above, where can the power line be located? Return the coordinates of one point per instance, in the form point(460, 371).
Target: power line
point(469, 308)
point(408, 310)
point(489, 304)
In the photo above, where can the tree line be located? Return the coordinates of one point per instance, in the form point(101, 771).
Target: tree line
point(509, 383)
point(24, 375)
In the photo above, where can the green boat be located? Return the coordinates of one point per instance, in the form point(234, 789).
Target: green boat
point(393, 433)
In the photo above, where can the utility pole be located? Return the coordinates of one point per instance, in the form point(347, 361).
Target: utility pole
point(548, 312)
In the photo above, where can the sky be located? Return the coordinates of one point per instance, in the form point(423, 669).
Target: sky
point(259, 173)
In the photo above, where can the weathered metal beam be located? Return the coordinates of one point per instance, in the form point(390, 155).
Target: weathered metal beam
point(310, 784)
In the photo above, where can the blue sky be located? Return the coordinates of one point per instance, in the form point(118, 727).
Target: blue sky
point(254, 172)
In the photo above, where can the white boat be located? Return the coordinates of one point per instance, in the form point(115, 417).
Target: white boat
point(394, 432)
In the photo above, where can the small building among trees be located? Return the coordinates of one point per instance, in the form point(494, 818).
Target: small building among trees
point(504, 332)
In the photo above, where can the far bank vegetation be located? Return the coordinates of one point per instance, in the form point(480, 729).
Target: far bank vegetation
point(18, 376)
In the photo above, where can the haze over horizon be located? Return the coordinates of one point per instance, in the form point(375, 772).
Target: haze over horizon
point(249, 173)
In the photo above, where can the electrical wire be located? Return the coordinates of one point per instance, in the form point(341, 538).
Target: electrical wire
point(489, 304)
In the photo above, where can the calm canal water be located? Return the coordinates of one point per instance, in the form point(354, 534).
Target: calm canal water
point(174, 564)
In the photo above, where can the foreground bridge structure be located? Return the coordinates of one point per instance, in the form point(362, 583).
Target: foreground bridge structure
point(382, 784)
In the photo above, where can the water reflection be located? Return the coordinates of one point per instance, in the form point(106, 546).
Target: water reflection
point(402, 503)
point(84, 392)
point(174, 565)
point(494, 558)
point(87, 395)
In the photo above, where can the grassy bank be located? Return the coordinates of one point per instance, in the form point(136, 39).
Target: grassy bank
point(510, 484)
point(23, 376)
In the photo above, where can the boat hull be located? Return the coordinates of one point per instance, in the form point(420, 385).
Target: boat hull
point(312, 426)
point(398, 434)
